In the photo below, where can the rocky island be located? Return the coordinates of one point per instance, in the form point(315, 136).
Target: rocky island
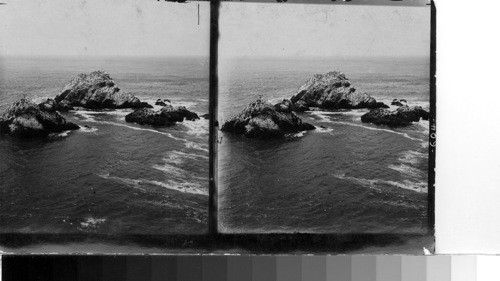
point(166, 116)
point(260, 119)
point(26, 119)
point(333, 91)
point(97, 90)
point(403, 116)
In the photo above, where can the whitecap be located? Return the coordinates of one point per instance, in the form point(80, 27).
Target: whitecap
point(424, 126)
point(196, 128)
point(59, 135)
point(295, 135)
point(407, 170)
point(184, 187)
point(88, 129)
point(91, 223)
point(170, 170)
point(323, 130)
point(178, 157)
point(192, 145)
point(420, 187)
point(377, 129)
point(412, 157)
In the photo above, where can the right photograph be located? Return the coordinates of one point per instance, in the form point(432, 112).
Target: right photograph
point(323, 119)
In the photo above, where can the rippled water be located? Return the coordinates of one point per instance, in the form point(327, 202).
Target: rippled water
point(114, 177)
point(348, 177)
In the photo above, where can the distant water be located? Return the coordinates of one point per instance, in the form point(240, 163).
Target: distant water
point(349, 177)
point(116, 177)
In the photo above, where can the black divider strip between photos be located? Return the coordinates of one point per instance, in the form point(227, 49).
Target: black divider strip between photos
point(213, 92)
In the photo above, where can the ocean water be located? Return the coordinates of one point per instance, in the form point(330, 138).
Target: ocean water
point(114, 177)
point(348, 177)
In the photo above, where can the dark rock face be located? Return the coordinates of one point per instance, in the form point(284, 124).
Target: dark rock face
point(50, 105)
point(97, 90)
point(333, 91)
point(26, 119)
point(166, 116)
point(260, 119)
point(403, 116)
point(205, 116)
point(287, 106)
point(160, 102)
point(397, 102)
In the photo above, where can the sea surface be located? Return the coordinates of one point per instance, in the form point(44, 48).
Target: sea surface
point(348, 177)
point(114, 177)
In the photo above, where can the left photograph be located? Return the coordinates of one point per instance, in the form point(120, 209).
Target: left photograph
point(104, 117)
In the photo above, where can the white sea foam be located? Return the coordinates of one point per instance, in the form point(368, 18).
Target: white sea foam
point(323, 130)
point(178, 157)
point(420, 187)
point(324, 116)
point(412, 157)
point(170, 170)
point(60, 135)
point(198, 128)
point(88, 129)
point(424, 124)
point(377, 129)
point(184, 187)
point(91, 223)
point(296, 135)
point(407, 170)
point(91, 119)
point(192, 145)
point(85, 114)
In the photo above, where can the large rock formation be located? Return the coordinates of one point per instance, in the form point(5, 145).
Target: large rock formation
point(403, 116)
point(333, 91)
point(97, 91)
point(260, 119)
point(166, 116)
point(26, 119)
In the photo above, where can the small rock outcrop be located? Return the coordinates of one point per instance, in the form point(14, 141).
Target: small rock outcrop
point(26, 119)
point(287, 106)
point(397, 102)
point(260, 119)
point(160, 102)
point(97, 90)
point(166, 116)
point(333, 91)
point(403, 116)
point(50, 105)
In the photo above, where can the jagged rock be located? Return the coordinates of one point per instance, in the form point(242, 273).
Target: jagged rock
point(205, 116)
point(50, 105)
point(26, 119)
point(333, 91)
point(284, 106)
point(145, 105)
point(397, 102)
point(64, 106)
point(287, 106)
point(160, 102)
point(260, 119)
point(97, 90)
point(300, 106)
point(403, 116)
point(179, 112)
point(166, 116)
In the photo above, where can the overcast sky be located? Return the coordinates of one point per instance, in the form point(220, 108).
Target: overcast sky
point(103, 28)
point(255, 29)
